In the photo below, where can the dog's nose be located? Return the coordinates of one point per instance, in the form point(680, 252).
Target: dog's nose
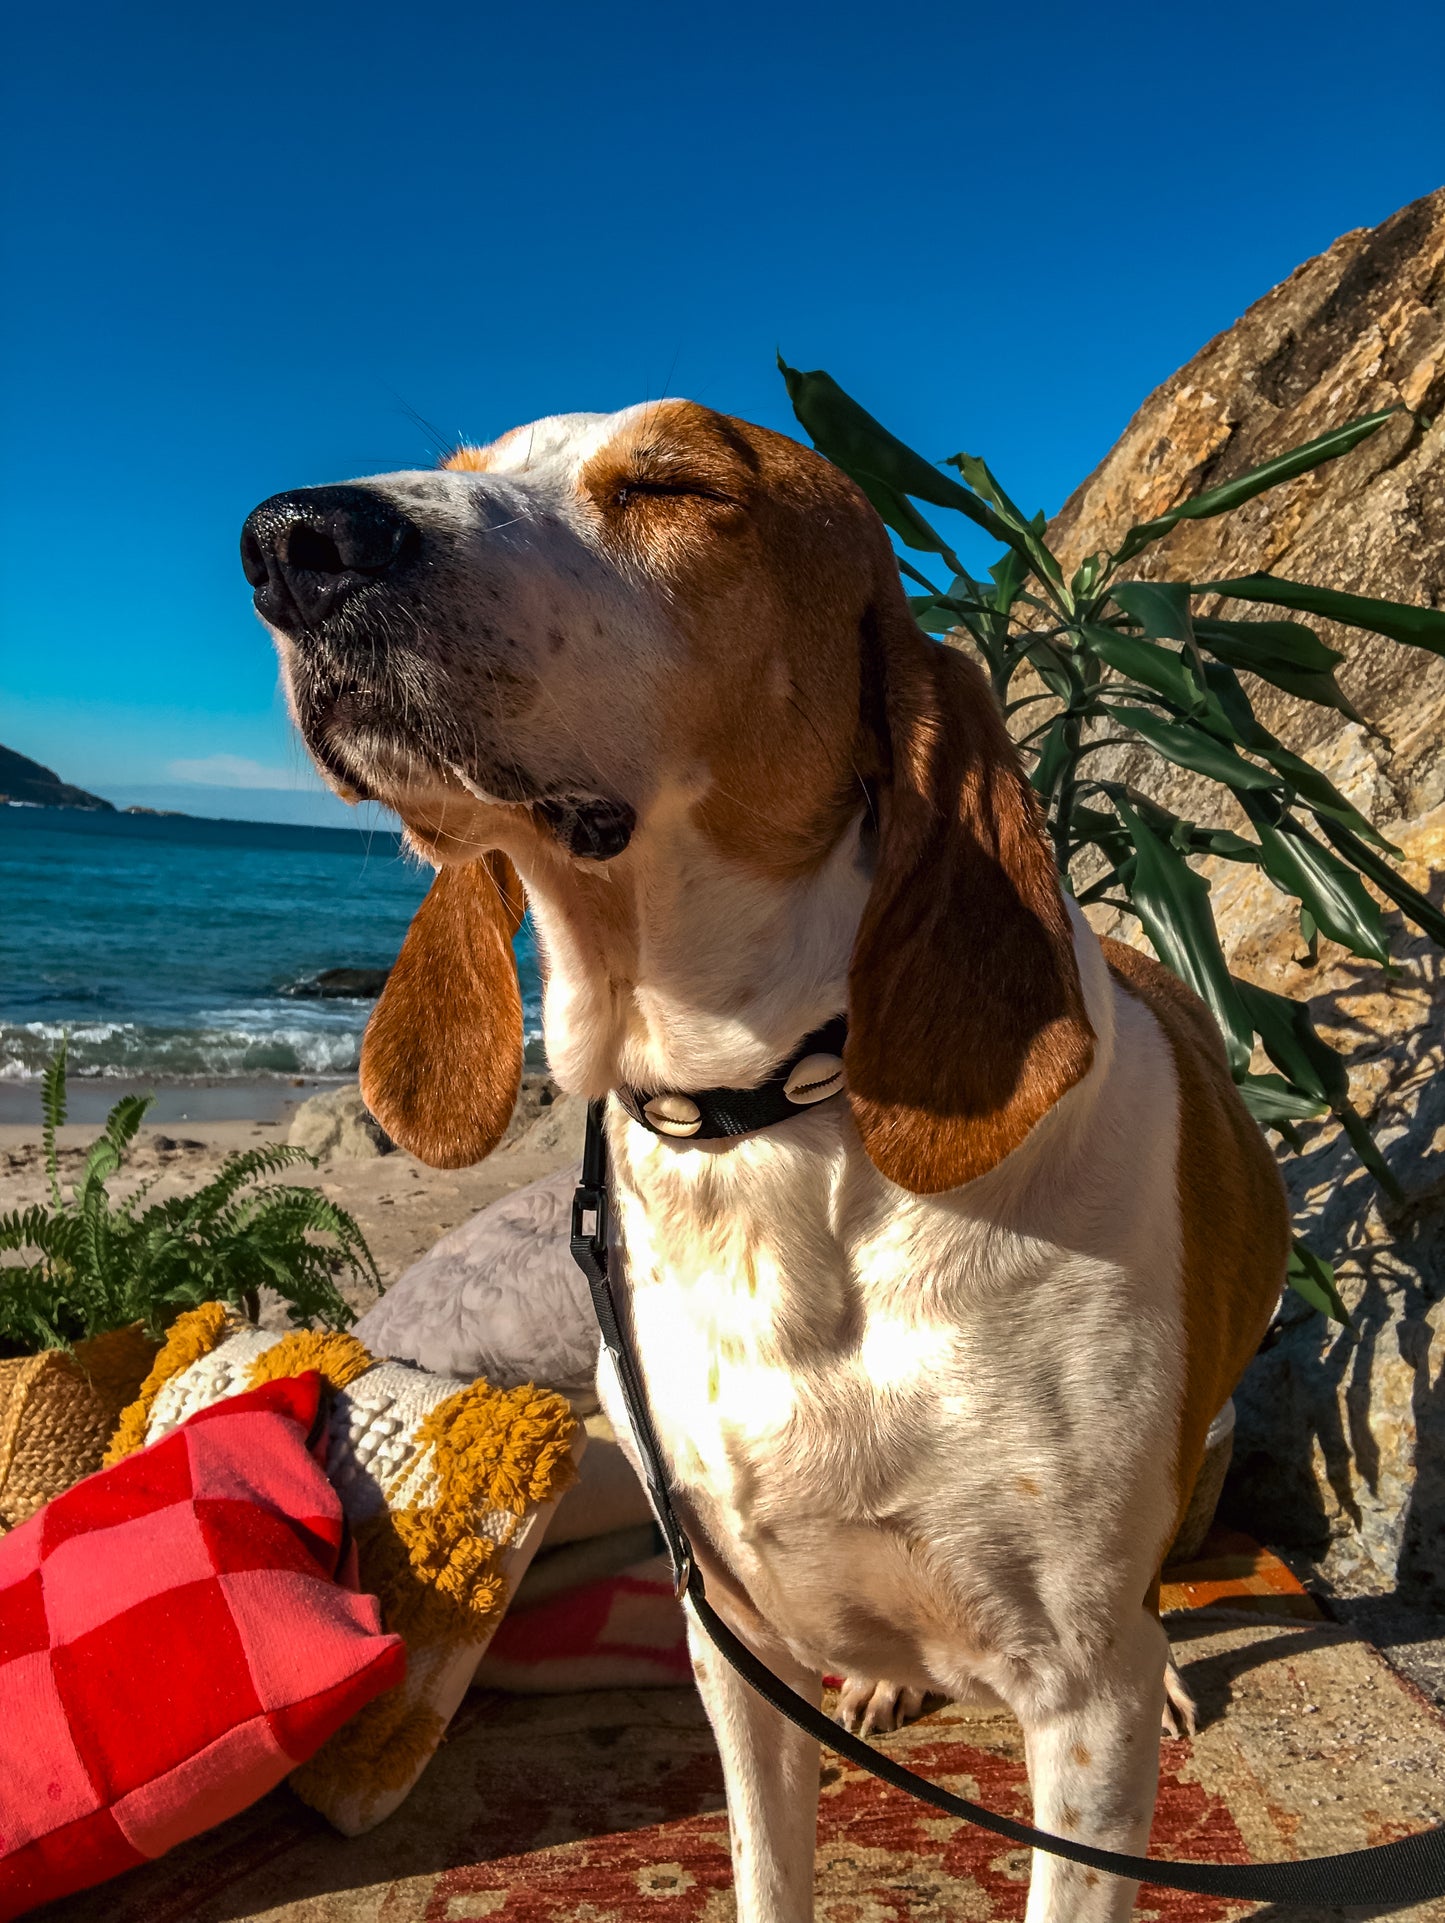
point(306, 551)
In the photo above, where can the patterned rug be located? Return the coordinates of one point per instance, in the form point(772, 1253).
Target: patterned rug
point(607, 1807)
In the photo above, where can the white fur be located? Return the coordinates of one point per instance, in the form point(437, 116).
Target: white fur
point(932, 1438)
point(928, 1439)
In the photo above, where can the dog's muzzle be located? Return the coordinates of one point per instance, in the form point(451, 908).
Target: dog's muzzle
point(306, 552)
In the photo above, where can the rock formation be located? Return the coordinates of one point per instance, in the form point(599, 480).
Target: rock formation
point(338, 1126)
point(1341, 1440)
point(22, 779)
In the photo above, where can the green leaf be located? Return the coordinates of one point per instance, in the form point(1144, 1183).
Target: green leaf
point(1087, 576)
point(1287, 1032)
point(1335, 896)
point(1024, 535)
point(1186, 744)
point(1320, 792)
point(1307, 781)
point(52, 1108)
point(1009, 576)
point(1271, 1100)
point(1420, 909)
point(1313, 1278)
point(935, 613)
point(852, 439)
point(1160, 607)
point(1099, 828)
point(1244, 487)
point(1187, 836)
point(122, 1125)
point(1173, 903)
point(905, 520)
point(1283, 644)
point(1363, 1143)
point(1416, 627)
point(1145, 662)
point(1060, 746)
point(1258, 647)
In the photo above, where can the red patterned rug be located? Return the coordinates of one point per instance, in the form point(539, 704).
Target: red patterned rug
point(607, 1807)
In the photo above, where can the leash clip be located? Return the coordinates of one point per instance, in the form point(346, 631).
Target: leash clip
point(682, 1569)
point(589, 1228)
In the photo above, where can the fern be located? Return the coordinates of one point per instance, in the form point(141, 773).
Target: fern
point(101, 1263)
point(52, 1107)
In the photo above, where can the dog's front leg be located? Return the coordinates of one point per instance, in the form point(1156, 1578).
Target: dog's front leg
point(770, 1769)
point(1094, 1771)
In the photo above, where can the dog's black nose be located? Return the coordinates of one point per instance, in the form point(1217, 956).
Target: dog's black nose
point(306, 551)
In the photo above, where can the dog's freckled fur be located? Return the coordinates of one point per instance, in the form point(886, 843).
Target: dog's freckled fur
point(932, 1362)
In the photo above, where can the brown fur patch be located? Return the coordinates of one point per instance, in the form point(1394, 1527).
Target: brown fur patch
point(768, 569)
point(441, 1062)
point(1234, 1218)
point(468, 460)
point(966, 1015)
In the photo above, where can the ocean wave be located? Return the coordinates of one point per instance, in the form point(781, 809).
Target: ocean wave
point(133, 1050)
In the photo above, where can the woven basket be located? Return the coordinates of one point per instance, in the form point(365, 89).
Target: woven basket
point(57, 1412)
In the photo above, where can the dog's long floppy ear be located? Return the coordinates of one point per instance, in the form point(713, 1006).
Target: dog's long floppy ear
point(441, 1062)
point(966, 1019)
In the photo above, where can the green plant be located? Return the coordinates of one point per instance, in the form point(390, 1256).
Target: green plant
point(104, 1263)
point(1116, 661)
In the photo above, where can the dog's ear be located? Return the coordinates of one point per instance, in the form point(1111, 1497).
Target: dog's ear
point(441, 1062)
point(966, 1019)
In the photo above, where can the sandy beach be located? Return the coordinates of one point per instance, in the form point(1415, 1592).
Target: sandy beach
point(403, 1207)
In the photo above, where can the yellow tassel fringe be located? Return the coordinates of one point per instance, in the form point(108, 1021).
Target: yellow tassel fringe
point(438, 1579)
point(337, 1357)
point(192, 1335)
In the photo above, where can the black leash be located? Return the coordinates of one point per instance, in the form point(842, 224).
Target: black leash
point(1411, 1870)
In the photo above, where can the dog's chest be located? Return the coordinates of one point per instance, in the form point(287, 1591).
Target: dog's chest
point(843, 1378)
point(798, 1373)
point(760, 1340)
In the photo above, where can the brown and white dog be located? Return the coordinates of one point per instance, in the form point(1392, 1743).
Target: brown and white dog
point(932, 1362)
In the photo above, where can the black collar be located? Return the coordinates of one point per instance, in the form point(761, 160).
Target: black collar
point(708, 1114)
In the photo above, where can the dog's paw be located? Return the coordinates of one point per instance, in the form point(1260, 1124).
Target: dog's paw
point(1181, 1712)
point(872, 1708)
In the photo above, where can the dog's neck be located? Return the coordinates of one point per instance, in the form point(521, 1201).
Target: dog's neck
point(673, 968)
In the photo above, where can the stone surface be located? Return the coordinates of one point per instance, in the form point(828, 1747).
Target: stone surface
point(1360, 327)
point(1340, 1448)
point(553, 1129)
point(339, 1127)
point(340, 984)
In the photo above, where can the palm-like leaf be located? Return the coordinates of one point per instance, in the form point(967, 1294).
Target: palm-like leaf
point(1132, 661)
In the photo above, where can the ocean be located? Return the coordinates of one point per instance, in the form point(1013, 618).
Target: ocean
point(163, 945)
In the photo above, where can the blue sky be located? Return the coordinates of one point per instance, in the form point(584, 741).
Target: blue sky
point(252, 245)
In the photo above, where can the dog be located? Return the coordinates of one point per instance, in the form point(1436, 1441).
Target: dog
point(932, 1361)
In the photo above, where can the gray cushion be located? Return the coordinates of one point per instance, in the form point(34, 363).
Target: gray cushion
point(499, 1297)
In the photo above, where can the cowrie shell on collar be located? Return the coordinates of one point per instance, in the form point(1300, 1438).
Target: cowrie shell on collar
point(673, 1115)
point(814, 1079)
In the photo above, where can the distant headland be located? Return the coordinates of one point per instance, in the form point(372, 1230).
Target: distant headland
point(24, 780)
point(40, 799)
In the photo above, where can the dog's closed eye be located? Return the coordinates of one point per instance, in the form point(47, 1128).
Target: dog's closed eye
point(642, 489)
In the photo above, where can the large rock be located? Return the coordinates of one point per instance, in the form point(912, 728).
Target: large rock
point(1340, 1448)
point(339, 984)
point(338, 1126)
point(1360, 327)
